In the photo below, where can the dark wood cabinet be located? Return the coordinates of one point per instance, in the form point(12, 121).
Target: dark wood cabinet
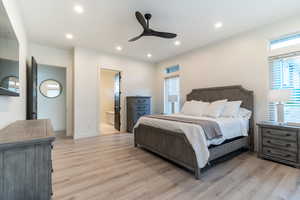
point(137, 106)
point(25, 160)
point(279, 143)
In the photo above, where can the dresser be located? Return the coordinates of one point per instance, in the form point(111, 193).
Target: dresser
point(137, 106)
point(279, 143)
point(25, 160)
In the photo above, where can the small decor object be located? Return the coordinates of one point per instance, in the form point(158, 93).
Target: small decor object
point(280, 97)
point(173, 99)
point(50, 88)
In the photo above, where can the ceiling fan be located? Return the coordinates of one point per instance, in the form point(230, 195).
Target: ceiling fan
point(147, 30)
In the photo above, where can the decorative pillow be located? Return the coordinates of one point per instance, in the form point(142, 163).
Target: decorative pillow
point(194, 108)
point(231, 109)
point(245, 113)
point(215, 109)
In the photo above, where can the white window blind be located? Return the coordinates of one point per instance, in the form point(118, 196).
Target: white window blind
point(285, 74)
point(171, 87)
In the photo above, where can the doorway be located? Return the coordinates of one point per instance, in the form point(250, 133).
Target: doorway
point(110, 101)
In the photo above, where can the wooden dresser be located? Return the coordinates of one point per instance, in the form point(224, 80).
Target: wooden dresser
point(25, 160)
point(279, 143)
point(137, 106)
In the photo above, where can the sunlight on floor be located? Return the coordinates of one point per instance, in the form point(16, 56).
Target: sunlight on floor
point(107, 129)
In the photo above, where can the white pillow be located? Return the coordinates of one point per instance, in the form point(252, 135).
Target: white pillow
point(231, 109)
point(194, 108)
point(245, 113)
point(187, 108)
point(215, 109)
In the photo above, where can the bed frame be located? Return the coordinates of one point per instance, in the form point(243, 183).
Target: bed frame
point(176, 147)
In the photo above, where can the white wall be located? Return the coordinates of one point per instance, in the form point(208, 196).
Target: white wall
point(107, 93)
point(52, 108)
point(61, 58)
point(241, 60)
point(137, 79)
point(14, 108)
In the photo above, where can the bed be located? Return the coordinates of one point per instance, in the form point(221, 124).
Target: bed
point(175, 146)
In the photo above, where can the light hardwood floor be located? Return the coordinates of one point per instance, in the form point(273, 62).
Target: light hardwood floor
point(109, 167)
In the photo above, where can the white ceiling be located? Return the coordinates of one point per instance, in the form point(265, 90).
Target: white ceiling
point(107, 23)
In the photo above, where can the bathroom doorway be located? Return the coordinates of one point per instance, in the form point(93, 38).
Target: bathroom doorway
point(110, 102)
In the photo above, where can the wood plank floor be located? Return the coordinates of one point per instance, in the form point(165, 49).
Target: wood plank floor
point(109, 167)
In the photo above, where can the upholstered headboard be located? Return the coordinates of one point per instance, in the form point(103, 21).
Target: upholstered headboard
point(232, 93)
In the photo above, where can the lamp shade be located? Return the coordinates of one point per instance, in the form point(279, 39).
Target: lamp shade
point(173, 98)
point(279, 96)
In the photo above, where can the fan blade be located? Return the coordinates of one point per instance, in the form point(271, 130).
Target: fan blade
point(136, 38)
point(163, 34)
point(141, 19)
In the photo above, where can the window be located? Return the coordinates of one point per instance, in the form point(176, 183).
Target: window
point(171, 87)
point(285, 74)
point(172, 69)
point(285, 41)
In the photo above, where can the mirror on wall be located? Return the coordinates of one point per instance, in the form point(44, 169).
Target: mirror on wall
point(50, 88)
point(9, 56)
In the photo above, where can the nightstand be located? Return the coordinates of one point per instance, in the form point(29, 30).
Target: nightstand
point(279, 143)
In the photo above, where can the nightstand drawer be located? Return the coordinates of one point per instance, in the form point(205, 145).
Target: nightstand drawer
point(281, 144)
point(276, 153)
point(279, 134)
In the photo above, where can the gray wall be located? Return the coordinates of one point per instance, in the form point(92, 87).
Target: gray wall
point(53, 108)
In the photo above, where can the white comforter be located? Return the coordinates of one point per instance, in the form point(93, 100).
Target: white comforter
point(230, 128)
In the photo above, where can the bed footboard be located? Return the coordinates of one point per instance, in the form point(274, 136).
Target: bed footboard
point(175, 146)
point(170, 145)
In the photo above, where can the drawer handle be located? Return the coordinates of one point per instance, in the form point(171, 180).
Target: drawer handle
point(286, 155)
point(282, 145)
point(286, 135)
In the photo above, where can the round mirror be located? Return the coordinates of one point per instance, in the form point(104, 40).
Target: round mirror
point(11, 83)
point(50, 88)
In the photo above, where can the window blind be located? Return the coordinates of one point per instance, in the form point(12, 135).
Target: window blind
point(171, 87)
point(285, 74)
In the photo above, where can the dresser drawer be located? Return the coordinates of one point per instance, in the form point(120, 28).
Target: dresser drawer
point(141, 113)
point(142, 107)
point(279, 134)
point(280, 154)
point(140, 101)
point(281, 144)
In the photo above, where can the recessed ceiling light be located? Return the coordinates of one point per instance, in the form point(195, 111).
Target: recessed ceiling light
point(79, 9)
point(177, 43)
point(69, 36)
point(119, 48)
point(218, 25)
point(149, 55)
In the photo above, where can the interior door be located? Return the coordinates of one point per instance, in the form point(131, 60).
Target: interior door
point(118, 101)
point(32, 90)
